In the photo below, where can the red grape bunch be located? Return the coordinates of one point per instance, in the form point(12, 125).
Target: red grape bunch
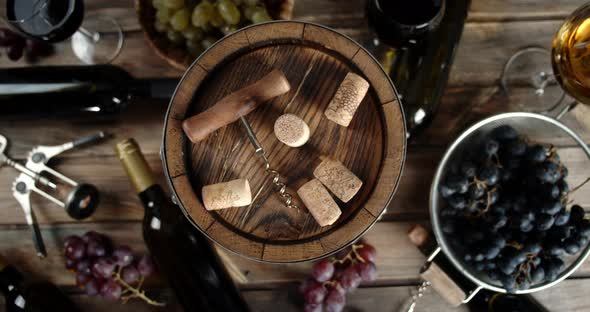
point(112, 273)
point(17, 46)
point(333, 277)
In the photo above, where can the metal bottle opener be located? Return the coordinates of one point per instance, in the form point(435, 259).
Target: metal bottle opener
point(81, 199)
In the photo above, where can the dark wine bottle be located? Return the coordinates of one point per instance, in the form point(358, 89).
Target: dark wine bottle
point(419, 68)
point(67, 90)
point(180, 251)
point(23, 295)
point(488, 301)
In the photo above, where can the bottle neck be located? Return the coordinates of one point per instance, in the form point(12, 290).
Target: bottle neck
point(135, 165)
point(150, 193)
point(154, 88)
point(154, 200)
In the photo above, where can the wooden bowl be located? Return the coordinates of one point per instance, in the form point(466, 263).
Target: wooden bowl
point(373, 146)
point(178, 56)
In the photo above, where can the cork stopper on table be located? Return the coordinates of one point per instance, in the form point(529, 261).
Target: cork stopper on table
point(291, 130)
point(347, 99)
point(342, 182)
point(319, 202)
point(235, 193)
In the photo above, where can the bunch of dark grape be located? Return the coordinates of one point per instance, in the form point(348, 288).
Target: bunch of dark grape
point(507, 211)
point(333, 277)
point(112, 273)
point(17, 46)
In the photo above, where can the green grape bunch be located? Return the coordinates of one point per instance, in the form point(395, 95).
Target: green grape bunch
point(196, 25)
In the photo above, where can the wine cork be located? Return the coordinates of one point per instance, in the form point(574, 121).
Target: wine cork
point(291, 130)
point(338, 179)
point(318, 201)
point(235, 193)
point(347, 99)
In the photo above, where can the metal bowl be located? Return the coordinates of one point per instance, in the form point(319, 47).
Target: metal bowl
point(535, 127)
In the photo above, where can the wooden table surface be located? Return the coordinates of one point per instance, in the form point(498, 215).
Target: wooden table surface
point(495, 29)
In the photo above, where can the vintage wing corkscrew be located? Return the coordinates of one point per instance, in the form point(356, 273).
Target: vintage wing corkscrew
point(79, 200)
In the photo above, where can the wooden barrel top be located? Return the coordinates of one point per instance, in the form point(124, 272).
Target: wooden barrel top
point(315, 60)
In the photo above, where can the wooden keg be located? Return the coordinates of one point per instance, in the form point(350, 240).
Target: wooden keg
point(315, 60)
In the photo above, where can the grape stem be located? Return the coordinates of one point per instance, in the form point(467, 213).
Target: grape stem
point(515, 245)
point(523, 272)
point(352, 255)
point(134, 292)
point(488, 203)
point(331, 283)
point(552, 152)
point(479, 183)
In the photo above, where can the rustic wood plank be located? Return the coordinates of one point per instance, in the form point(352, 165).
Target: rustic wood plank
point(142, 121)
point(352, 14)
point(52, 268)
point(362, 299)
point(135, 57)
point(320, 11)
point(98, 304)
point(570, 295)
point(485, 48)
point(118, 201)
point(460, 108)
point(397, 259)
point(481, 68)
point(500, 10)
point(493, 41)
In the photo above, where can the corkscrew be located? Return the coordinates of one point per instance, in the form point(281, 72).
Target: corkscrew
point(276, 177)
point(236, 106)
point(79, 200)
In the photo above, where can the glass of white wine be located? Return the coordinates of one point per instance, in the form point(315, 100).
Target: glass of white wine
point(536, 76)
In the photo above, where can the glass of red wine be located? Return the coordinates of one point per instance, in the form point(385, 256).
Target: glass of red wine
point(400, 23)
point(95, 39)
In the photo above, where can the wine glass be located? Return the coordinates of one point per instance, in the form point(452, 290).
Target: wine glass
point(95, 39)
point(536, 75)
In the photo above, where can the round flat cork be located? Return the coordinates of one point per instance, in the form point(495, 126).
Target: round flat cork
point(291, 130)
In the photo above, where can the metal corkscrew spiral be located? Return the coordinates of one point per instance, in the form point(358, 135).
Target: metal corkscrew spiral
point(276, 176)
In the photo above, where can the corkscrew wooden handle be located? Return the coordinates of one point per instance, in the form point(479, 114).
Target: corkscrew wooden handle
point(235, 105)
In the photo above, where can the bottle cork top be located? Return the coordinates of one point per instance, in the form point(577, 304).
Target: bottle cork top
point(135, 165)
point(291, 130)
